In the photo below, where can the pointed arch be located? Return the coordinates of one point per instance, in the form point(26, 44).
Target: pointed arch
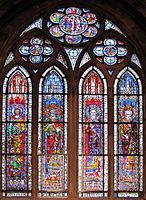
point(16, 133)
point(93, 136)
point(128, 134)
point(52, 134)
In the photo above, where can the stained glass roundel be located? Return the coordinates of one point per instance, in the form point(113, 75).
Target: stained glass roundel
point(110, 51)
point(55, 17)
point(73, 25)
point(73, 10)
point(36, 50)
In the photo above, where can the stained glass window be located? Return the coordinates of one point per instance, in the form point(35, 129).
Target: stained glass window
point(93, 143)
point(35, 50)
point(128, 135)
point(52, 134)
point(83, 129)
point(16, 134)
point(73, 25)
point(110, 51)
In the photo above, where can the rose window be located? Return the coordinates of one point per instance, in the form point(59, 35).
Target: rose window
point(36, 50)
point(110, 51)
point(73, 25)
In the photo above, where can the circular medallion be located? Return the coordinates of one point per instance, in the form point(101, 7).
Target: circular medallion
point(122, 51)
point(110, 42)
point(90, 17)
point(90, 32)
point(110, 60)
point(48, 50)
point(35, 59)
point(55, 31)
point(98, 50)
point(71, 39)
point(110, 51)
point(73, 24)
point(36, 41)
point(55, 17)
point(73, 10)
point(36, 49)
point(24, 50)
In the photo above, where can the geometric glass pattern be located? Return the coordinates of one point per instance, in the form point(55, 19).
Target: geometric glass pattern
point(52, 134)
point(60, 57)
point(111, 25)
point(93, 139)
point(86, 58)
point(9, 59)
point(36, 50)
point(110, 71)
point(128, 135)
point(73, 54)
point(110, 51)
point(135, 59)
point(73, 25)
point(16, 134)
point(36, 24)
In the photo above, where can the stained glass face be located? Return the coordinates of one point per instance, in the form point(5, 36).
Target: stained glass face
point(110, 51)
point(73, 25)
point(92, 160)
point(53, 108)
point(16, 134)
point(93, 108)
point(17, 108)
point(128, 135)
point(52, 135)
point(128, 108)
point(36, 50)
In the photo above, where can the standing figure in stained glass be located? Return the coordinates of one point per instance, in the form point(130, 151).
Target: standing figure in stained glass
point(93, 139)
point(129, 139)
point(16, 138)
